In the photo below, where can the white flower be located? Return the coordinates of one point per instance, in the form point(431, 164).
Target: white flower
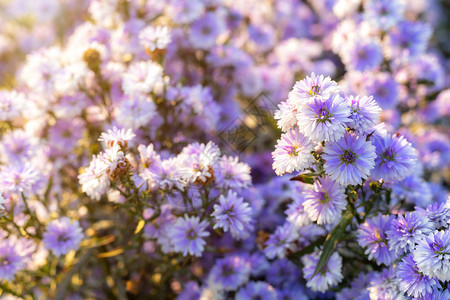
point(142, 77)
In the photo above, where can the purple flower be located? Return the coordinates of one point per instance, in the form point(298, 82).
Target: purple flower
point(414, 190)
point(15, 255)
point(18, 178)
point(233, 214)
point(383, 285)
point(372, 234)
point(187, 235)
point(350, 159)
point(384, 89)
point(141, 78)
point(396, 158)
point(365, 113)
point(282, 273)
point(432, 255)
point(296, 214)
point(324, 119)
point(362, 55)
point(325, 202)
point(233, 174)
point(412, 281)
point(408, 38)
point(280, 241)
point(230, 272)
point(314, 87)
point(257, 290)
point(292, 152)
point(329, 276)
point(384, 13)
point(437, 213)
point(406, 231)
point(62, 236)
point(191, 291)
point(204, 31)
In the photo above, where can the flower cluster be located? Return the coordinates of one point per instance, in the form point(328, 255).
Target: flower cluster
point(139, 152)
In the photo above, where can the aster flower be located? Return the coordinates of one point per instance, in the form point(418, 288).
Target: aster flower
point(233, 174)
point(153, 38)
point(282, 273)
point(323, 119)
point(62, 236)
point(407, 38)
point(204, 31)
point(141, 78)
point(406, 231)
point(362, 55)
point(164, 175)
point(15, 256)
point(365, 113)
point(148, 156)
point(11, 104)
point(232, 213)
point(432, 255)
point(384, 14)
point(256, 290)
point(230, 272)
point(414, 190)
point(325, 202)
point(372, 234)
point(18, 178)
point(135, 111)
point(437, 213)
point(114, 161)
point(292, 152)
point(384, 89)
point(314, 87)
point(383, 285)
point(187, 235)
point(412, 281)
point(280, 241)
point(117, 136)
point(286, 115)
point(2, 202)
point(18, 146)
point(329, 276)
point(395, 159)
point(94, 181)
point(296, 214)
point(198, 162)
point(349, 160)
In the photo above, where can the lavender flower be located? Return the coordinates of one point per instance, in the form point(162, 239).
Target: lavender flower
point(395, 158)
point(233, 174)
point(233, 214)
point(153, 38)
point(14, 256)
point(292, 152)
point(325, 202)
point(432, 255)
point(141, 78)
point(286, 115)
point(412, 281)
point(230, 272)
point(187, 235)
point(384, 13)
point(330, 275)
point(280, 241)
point(256, 290)
point(365, 113)
point(372, 234)
point(437, 213)
point(350, 159)
point(62, 236)
point(18, 178)
point(314, 87)
point(384, 89)
point(383, 285)
point(362, 55)
point(204, 31)
point(324, 120)
point(296, 214)
point(406, 231)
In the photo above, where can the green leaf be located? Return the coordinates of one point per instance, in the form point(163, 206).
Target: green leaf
point(333, 239)
point(303, 178)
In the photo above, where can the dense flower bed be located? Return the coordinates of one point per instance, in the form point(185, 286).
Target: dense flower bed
point(224, 149)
